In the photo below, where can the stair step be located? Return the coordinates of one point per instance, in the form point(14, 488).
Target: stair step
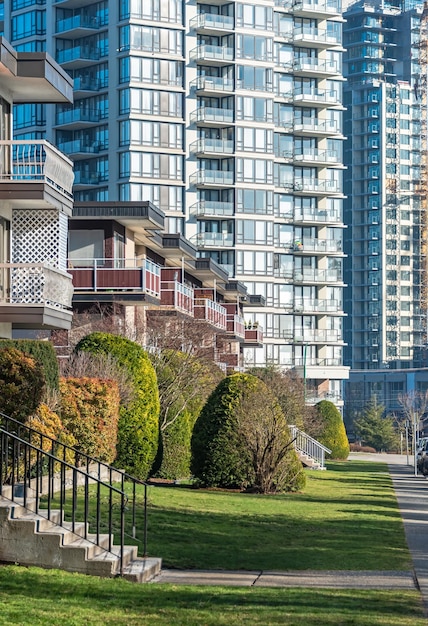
point(142, 569)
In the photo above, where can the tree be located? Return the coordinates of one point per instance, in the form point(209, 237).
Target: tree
point(333, 433)
point(184, 384)
point(375, 429)
point(241, 439)
point(414, 405)
point(288, 387)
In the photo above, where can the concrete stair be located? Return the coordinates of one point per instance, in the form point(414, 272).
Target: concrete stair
point(308, 461)
point(29, 538)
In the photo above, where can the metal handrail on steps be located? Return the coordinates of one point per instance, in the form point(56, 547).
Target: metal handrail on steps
point(34, 465)
point(309, 446)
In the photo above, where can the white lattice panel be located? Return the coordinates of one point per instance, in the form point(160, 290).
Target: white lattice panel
point(39, 236)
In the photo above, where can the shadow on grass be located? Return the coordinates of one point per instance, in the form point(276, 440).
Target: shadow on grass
point(86, 597)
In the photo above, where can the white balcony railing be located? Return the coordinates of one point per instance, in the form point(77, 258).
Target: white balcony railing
point(26, 162)
point(35, 283)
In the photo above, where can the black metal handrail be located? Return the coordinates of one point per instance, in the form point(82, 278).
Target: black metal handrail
point(54, 452)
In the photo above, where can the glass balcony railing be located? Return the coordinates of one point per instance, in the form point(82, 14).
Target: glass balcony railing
point(321, 96)
point(80, 146)
point(212, 146)
point(212, 83)
point(211, 114)
point(213, 240)
point(316, 65)
point(325, 127)
point(314, 305)
point(317, 35)
point(308, 244)
point(316, 185)
point(328, 157)
point(210, 208)
point(211, 53)
point(77, 22)
point(72, 116)
point(212, 21)
point(213, 177)
point(77, 53)
point(86, 178)
point(83, 83)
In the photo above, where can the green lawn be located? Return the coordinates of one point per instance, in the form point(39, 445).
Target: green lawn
point(346, 519)
point(34, 597)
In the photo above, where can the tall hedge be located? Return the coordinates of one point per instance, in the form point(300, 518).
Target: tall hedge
point(333, 433)
point(43, 352)
point(90, 412)
point(139, 420)
point(22, 383)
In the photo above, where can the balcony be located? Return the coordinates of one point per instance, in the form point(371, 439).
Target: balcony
point(317, 8)
point(216, 84)
point(318, 157)
point(318, 97)
point(218, 55)
point(35, 173)
point(212, 178)
point(86, 179)
point(316, 37)
point(314, 305)
point(253, 336)
point(316, 276)
point(235, 326)
point(317, 246)
point(177, 297)
point(320, 67)
point(83, 83)
point(316, 216)
point(327, 128)
point(316, 186)
point(80, 146)
point(79, 56)
point(213, 240)
point(79, 25)
point(115, 278)
point(207, 23)
point(212, 146)
point(35, 296)
point(209, 311)
point(75, 118)
point(210, 208)
point(211, 116)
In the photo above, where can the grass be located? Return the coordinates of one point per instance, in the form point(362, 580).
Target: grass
point(346, 519)
point(34, 597)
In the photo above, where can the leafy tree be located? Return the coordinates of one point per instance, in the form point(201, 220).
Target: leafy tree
point(375, 429)
point(333, 433)
point(138, 429)
point(22, 383)
point(184, 384)
point(288, 387)
point(241, 439)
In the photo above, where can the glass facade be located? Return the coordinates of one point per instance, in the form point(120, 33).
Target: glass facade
point(228, 116)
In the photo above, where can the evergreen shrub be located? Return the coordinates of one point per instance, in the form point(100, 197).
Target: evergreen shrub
point(43, 352)
point(333, 434)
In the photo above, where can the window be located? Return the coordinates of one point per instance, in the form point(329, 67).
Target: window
point(29, 24)
point(153, 10)
point(254, 171)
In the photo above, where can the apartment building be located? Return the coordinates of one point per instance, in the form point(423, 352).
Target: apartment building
point(35, 202)
point(227, 116)
point(384, 209)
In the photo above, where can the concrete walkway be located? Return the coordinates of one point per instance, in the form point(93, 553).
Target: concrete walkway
point(412, 496)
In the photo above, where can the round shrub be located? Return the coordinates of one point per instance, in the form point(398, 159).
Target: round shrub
point(43, 352)
point(241, 440)
point(138, 428)
point(333, 434)
point(22, 383)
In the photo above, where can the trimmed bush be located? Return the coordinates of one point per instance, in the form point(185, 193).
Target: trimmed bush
point(43, 352)
point(22, 383)
point(90, 412)
point(47, 422)
point(333, 434)
point(241, 439)
point(139, 420)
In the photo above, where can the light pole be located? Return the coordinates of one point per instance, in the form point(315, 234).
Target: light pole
point(305, 346)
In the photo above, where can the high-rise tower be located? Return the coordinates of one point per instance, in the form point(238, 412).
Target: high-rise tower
point(228, 116)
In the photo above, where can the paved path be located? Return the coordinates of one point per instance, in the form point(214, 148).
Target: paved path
point(412, 496)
